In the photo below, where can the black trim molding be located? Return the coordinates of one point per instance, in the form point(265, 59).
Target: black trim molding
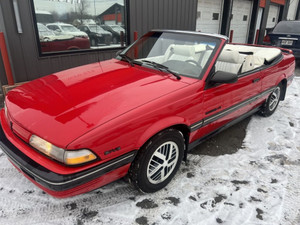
point(244, 116)
point(55, 181)
point(212, 118)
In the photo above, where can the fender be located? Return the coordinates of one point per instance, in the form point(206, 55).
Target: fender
point(279, 79)
point(157, 127)
point(283, 78)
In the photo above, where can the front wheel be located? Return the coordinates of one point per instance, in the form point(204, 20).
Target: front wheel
point(272, 102)
point(157, 161)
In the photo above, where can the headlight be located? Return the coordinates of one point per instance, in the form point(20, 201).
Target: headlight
point(73, 157)
point(78, 157)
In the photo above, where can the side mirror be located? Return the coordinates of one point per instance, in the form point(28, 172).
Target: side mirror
point(224, 77)
point(58, 30)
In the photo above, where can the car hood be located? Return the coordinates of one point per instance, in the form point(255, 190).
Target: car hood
point(75, 33)
point(63, 106)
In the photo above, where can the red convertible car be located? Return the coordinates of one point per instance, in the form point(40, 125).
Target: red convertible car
point(139, 114)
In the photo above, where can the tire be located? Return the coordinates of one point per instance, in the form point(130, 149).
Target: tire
point(269, 107)
point(151, 171)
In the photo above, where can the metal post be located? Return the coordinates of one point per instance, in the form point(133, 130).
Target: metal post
point(226, 17)
point(253, 21)
point(122, 38)
point(298, 12)
point(284, 11)
point(231, 36)
point(256, 36)
point(264, 22)
point(5, 59)
point(136, 50)
point(135, 35)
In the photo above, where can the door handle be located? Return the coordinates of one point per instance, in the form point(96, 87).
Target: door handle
point(255, 80)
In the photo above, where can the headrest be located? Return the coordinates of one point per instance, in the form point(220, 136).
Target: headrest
point(268, 54)
point(230, 56)
point(200, 48)
point(184, 50)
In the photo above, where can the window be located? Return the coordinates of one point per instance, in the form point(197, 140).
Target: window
point(68, 25)
point(215, 16)
point(245, 17)
point(198, 14)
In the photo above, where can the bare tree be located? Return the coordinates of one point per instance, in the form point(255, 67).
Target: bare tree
point(81, 9)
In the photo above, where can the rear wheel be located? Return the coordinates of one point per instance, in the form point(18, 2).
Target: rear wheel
point(272, 102)
point(158, 161)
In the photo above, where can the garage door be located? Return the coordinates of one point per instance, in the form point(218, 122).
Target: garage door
point(273, 16)
point(241, 13)
point(209, 16)
point(292, 10)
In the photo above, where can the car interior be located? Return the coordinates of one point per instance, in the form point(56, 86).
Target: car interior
point(241, 58)
point(238, 59)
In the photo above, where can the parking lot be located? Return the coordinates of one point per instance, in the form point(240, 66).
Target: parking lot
point(248, 174)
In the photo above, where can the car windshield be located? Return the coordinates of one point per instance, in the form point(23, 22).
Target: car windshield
point(44, 31)
point(96, 29)
point(186, 54)
point(69, 28)
point(287, 27)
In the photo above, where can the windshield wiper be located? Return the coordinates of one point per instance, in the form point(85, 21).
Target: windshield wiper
point(162, 68)
point(127, 59)
point(130, 60)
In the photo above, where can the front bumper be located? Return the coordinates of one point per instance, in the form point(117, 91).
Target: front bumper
point(62, 185)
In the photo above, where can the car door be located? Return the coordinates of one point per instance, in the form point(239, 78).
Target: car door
point(208, 116)
point(223, 103)
point(242, 96)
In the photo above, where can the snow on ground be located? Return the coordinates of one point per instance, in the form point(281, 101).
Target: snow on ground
point(257, 185)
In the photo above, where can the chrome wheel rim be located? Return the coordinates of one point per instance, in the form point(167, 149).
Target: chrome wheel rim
point(274, 99)
point(162, 162)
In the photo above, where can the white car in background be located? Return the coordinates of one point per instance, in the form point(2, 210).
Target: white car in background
point(65, 29)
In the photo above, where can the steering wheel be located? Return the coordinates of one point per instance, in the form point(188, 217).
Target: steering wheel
point(193, 62)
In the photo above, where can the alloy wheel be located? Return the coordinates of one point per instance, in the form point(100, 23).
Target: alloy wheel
point(274, 99)
point(162, 162)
